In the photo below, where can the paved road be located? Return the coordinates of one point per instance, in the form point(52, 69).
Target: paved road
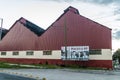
point(4, 76)
point(67, 74)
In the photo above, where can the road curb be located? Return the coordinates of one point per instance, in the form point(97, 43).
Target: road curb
point(21, 74)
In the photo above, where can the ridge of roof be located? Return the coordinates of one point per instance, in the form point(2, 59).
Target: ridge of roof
point(72, 9)
point(76, 11)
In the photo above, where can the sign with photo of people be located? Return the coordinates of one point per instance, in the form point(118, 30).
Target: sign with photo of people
point(75, 53)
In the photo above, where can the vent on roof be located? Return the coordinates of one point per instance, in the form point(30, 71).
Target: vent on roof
point(4, 32)
point(37, 30)
point(72, 9)
point(34, 28)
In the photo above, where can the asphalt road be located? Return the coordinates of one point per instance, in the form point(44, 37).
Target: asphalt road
point(4, 76)
point(61, 74)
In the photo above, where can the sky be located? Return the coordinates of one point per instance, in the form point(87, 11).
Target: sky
point(44, 12)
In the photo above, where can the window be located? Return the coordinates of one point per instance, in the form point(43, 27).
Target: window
point(47, 52)
point(29, 53)
point(95, 52)
point(16, 53)
point(3, 53)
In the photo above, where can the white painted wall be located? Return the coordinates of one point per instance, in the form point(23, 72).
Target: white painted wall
point(106, 55)
point(56, 54)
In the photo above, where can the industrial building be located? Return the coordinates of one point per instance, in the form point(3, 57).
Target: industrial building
point(27, 43)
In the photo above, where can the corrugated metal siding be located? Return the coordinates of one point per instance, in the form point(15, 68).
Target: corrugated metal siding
point(80, 32)
point(19, 38)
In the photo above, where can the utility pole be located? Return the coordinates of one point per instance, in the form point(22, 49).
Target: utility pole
point(1, 28)
point(65, 38)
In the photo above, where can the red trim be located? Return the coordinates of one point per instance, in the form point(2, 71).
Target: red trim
point(91, 63)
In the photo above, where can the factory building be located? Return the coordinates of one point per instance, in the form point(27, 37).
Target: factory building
point(27, 43)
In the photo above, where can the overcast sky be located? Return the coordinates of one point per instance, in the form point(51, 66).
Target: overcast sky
point(45, 12)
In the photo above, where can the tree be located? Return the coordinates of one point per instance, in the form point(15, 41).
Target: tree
point(116, 55)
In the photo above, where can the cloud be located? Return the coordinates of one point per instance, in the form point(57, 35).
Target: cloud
point(90, 1)
point(68, 1)
point(116, 35)
point(113, 3)
point(98, 1)
point(117, 10)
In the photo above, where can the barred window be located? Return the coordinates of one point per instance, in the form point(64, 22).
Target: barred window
point(47, 52)
point(95, 52)
point(29, 53)
point(16, 53)
point(3, 53)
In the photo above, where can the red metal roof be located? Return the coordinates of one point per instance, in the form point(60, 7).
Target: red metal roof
point(80, 31)
point(19, 37)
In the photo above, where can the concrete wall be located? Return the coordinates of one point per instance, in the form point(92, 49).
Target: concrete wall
point(103, 60)
point(106, 55)
point(56, 54)
point(37, 55)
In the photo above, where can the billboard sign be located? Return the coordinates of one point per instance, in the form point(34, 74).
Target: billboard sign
point(75, 53)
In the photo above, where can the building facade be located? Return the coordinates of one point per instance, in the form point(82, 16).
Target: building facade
point(27, 43)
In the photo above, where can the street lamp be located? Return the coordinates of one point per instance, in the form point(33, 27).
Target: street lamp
point(1, 28)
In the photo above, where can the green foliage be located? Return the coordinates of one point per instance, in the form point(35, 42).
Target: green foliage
point(48, 66)
point(5, 65)
point(116, 55)
point(44, 79)
point(8, 65)
point(38, 66)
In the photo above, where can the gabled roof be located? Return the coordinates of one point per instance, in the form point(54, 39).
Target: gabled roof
point(34, 28)
point(29, 25)
point(80, 31)
point(76, 11)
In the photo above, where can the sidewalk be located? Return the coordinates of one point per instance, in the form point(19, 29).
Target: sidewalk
point(64, 74)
